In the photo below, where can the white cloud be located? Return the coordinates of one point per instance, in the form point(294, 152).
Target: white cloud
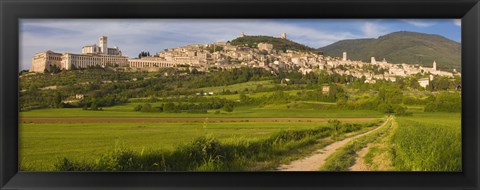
point(419, 23)
point(457, 22)
point(372, 30)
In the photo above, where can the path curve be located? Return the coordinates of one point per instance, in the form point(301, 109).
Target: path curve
point(313, 162)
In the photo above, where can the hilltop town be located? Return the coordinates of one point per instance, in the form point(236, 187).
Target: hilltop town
point(224, 55)
point(252, 103)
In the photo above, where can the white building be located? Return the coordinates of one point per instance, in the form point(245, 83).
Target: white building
point(92, 55)
point(424, 82)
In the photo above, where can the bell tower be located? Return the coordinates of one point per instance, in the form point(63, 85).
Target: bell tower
point(103, 44)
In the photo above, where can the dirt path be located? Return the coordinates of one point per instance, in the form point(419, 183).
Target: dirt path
point(146, 120)
point(313, 162)
point(359, 161)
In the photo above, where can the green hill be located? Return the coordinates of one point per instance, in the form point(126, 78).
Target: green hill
point(278, 43)
point(401, 47)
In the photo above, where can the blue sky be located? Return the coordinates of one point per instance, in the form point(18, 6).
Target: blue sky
point(154, 35)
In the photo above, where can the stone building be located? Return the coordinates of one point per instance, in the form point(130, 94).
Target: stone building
point(265, 46)
point(325, 89)
point(45, 60)
point(92, 55)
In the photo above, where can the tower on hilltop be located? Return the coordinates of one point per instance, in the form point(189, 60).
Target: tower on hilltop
point(103, 44)
point(284, 35)
point(434, 65)
point(242, 34)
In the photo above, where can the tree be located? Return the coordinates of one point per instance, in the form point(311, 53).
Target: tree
point(385, 108)
point(446, 102)
point(194, 72)
point(54, 69)
point(228, 107)
point(243, 98)
point(146, 108)
point(390, 94)
point(23, 72)
point(94, 105)
point(414, 83)
point(169, 107)
point(143, 54)
point(138, 108)
point(57, 100)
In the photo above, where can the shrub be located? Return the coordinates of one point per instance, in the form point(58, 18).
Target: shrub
point(137, 108)
point(146, 108)
point(228, 107)
point(385, 108)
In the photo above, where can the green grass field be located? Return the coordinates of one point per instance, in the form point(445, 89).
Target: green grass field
point(257, 94)
point(41, 145)
point(278, 110)
point(428, 142)
point(252, 85)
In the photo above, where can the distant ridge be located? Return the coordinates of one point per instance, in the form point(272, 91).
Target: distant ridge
point(401, 47)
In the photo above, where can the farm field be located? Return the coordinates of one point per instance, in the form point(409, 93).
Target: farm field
point(279, 110)
point(252, 85)
point(259, 94)
point(428, 142)
point(44, 144)
point(422, 142)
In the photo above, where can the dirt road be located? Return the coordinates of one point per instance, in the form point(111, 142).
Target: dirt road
point(147, 120)
point(316, 160)
point(360, 161)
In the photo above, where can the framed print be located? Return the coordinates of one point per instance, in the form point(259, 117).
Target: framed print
point(239, 95)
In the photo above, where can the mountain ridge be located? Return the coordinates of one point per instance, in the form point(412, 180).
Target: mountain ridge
point(401, 47)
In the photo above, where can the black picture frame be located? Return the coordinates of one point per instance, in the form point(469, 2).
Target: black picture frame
point(11, 11)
